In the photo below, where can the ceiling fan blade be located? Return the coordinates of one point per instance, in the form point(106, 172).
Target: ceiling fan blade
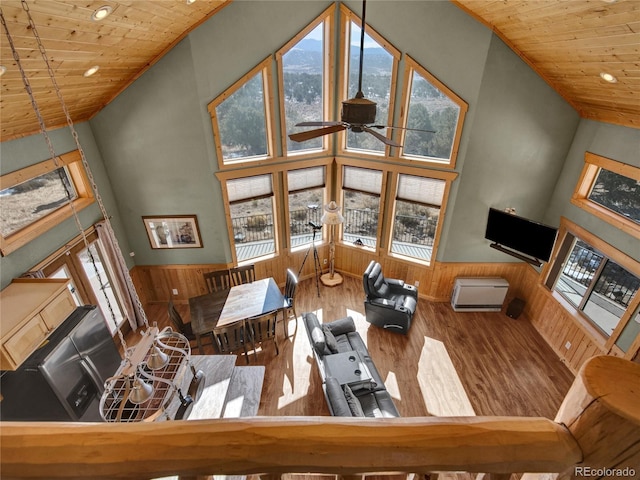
point(318, 124)
point(380, 137)
point(318, 132)
point(402, 128)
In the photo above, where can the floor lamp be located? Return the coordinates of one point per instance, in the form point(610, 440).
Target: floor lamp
point(332, 217)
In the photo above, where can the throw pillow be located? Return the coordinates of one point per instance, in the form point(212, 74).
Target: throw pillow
point(330, 339)
point(317, 337)
point(354, 403)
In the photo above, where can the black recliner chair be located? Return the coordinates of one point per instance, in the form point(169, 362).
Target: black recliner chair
point(389, 303)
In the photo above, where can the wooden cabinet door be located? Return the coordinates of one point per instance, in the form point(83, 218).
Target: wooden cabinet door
point(22, 343)
point(58, 309)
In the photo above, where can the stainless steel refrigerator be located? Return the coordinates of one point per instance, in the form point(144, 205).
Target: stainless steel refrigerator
point(64, 379)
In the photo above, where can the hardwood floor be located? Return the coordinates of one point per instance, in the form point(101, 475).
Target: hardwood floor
point(502, 366)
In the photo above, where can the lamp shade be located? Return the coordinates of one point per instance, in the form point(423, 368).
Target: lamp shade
point(332, 215)
point(141, 391)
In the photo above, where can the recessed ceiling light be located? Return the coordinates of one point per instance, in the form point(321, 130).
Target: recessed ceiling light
point(189, 2)
point(607, 77)
point(101, 13)
point(91, 71)
point(3, 70)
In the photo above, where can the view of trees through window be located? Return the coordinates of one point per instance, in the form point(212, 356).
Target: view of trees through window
point(377, 72)
point(242, 121)
point(303, 81)
point(618, 193)
point(430, 109)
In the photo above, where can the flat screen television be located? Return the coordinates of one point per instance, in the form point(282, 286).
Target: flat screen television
point(520, 234)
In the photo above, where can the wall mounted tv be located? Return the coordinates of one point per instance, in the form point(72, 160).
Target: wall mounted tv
point(520, 234)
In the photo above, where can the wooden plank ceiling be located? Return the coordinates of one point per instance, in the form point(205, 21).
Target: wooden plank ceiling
point(568, 42)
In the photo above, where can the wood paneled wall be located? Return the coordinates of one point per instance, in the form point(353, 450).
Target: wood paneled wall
point(155, 283)
point(557, 324)
point(554, 322)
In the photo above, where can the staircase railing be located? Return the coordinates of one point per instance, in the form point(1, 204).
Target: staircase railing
point(597, 428)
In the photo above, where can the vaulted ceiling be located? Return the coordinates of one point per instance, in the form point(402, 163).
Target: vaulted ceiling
point(569, 43)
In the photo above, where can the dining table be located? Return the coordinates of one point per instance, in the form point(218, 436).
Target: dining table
point(237, 303)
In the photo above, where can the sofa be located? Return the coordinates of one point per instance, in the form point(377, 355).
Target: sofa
point(364, 397)
point(389, 303)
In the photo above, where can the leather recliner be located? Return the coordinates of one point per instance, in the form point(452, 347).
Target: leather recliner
point(389, 303)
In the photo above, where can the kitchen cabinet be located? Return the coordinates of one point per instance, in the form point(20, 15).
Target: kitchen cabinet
point(30, 309)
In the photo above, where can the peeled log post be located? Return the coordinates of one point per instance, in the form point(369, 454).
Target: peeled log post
point(602, 412)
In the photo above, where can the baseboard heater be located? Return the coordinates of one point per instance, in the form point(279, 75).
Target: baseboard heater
point(479, 294)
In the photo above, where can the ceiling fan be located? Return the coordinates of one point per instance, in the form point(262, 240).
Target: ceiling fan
point(358, 113)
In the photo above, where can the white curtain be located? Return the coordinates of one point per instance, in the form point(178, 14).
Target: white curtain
point(112, 251)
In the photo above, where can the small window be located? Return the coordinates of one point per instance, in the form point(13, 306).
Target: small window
point(252, 220)
point(306, 198)
point(417, 214)
point(595, 284)
point(434, 115)
point(29, 201)
point(610, 190)
point(361, 189)
point(241, 119)
point(37, 198)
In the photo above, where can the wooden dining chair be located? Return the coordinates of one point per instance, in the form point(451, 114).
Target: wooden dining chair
point(232, 338)
point(217, 280)
point(186, 329)
point(178, 323)
point(261, 329)
point(290, 287)
point(243, 274)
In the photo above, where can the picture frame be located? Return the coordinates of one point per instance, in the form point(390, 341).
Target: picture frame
point(172, 231)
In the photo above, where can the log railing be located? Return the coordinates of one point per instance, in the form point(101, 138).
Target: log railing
point(597, 427)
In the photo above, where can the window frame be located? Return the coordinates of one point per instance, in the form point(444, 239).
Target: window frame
point(552, 271)
point(580, 198)
point(382, 199)
point(287, 209)
point(326, 18)
point(281, 207)
point(85, 197)
point(68, 256)
point(346, 17)
point(448, 178)
point(264, 67)
point(412, 66)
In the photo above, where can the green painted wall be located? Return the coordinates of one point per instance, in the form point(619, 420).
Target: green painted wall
point(521, 134)
point(611, 141)
point(20, 153)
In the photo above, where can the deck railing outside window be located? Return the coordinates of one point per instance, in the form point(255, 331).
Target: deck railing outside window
point(359, 224)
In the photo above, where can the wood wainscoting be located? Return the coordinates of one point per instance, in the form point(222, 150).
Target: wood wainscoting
point(555, 323)
point(155, 283)
point(559, 325)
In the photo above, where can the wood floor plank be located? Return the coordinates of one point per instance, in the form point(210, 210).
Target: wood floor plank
point(502, 365)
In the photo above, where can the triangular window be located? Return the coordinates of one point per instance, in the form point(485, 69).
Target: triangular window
point(241, 119)
point(435, 116)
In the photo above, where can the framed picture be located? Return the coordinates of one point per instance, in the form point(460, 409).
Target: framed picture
point(177, 231)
